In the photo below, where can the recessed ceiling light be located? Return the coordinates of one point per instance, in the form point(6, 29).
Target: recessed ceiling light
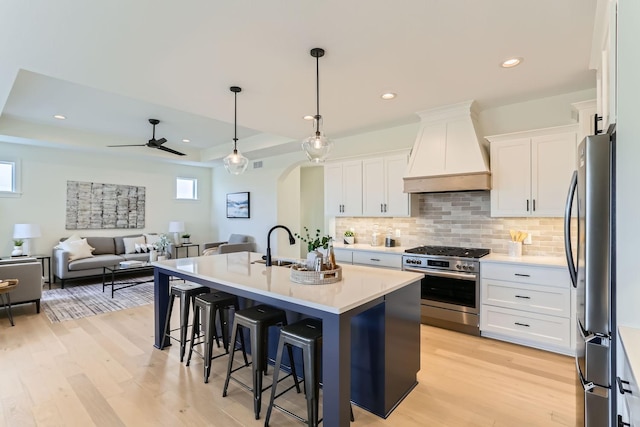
point(308, 117)
point(388, 95)
point(60, 117)
point(186, 140)
point(511, 62)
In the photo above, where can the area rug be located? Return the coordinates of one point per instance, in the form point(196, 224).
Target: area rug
point(78, 300)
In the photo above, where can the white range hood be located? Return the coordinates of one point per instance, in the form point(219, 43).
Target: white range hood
point(449, 154)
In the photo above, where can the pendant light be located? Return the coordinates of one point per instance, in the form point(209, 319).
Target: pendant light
point(235, 163)
point(317, 146)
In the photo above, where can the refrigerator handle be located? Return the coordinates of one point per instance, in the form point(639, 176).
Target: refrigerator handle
point(573, 271)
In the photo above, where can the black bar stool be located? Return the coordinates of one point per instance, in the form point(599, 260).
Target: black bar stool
point(257, 319)
point(306, 335)
point(204, 317)
point(187, 293)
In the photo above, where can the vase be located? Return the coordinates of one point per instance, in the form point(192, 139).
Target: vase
point(153, 256)
point(17, 251)
point(349, 240)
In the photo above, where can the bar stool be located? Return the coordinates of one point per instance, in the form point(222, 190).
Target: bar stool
point(306, 335)
point(257, 319)
point(209, 304)
point(6, 286)
point(187, 293)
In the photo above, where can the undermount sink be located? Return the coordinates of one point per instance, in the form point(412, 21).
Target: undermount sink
point(276, 262)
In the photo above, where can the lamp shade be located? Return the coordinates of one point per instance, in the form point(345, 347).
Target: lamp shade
point(176, 226)
point(26, 231)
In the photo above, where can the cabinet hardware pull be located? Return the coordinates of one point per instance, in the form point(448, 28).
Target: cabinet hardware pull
point(381, 207)
point(534, 205)
point(375, 259)
point(621, 384)
point(622, 423)
point(523, 296)
point(521, 275)
point(596, 119)
point(527, 205)
point(385, 207)
point(521, 324)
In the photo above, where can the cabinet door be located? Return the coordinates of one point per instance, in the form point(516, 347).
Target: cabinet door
point(333, 189)
point(352, 188)
point(373, 187)
point(397, 201)
point(553, 160)
point(511, 177)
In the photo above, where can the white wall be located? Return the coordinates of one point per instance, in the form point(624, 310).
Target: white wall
point(45, 173)
point(311, 206)
point(263, 185)
point(628, 158)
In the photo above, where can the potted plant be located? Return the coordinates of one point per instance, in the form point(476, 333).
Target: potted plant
point(316, 242)
point(185, 238)
point(17, 247)
point(163, 244)
point(349, 237)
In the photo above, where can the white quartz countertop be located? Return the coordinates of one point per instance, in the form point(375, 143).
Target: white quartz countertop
point(526, 259)
point(359, 284)
point(365, 247)
point(630, 338)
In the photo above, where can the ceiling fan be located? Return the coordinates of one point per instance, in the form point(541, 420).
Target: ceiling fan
point(153, 142)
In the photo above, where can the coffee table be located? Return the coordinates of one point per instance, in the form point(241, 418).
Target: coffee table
point(115, 269)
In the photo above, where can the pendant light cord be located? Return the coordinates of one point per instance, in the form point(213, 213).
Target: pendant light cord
point(235, 122)
point(317, 95)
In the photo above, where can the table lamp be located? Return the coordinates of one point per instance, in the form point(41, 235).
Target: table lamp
point(26, 232)
point(176, 227)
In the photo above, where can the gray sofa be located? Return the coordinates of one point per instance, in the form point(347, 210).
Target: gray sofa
point(28, 271)
point(109, 251)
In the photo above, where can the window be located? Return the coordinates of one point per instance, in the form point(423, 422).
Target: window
point(9, 178)
point(187, 188)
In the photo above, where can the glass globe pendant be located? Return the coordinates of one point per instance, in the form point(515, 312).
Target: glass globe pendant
point(317, 146)
point(235, 163)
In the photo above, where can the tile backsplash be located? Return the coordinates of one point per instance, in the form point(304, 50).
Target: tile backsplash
point(460, 219)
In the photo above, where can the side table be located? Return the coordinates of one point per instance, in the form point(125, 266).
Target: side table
point(176, 249)
point(6, 286)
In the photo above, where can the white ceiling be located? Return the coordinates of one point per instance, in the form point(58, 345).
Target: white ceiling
point(110, 66)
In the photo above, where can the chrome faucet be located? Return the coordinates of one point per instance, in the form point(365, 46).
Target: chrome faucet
point(291, 242)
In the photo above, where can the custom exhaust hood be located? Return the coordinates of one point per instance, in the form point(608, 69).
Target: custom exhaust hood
point(448, 154)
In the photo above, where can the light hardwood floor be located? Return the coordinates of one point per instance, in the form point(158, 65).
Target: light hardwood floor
point(104, 371)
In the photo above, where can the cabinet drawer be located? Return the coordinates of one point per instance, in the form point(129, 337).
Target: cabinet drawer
point(546, 276)
point(343, 256)
point(378, 259)
point(524, 326)
point(537, 299)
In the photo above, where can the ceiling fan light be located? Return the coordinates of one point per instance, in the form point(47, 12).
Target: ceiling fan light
point(235, 163)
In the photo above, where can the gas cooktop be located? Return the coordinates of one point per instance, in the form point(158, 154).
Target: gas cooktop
point(450, 251)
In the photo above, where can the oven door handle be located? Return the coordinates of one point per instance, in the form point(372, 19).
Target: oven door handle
point(438, 273)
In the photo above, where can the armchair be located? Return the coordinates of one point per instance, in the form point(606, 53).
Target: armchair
point(29, 273)
point(236, 243)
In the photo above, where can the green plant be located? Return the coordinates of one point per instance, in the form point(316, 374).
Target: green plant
point(18, 242)
point(186, 235)
point(315, 242)
point(163, 243)
point(349, 233)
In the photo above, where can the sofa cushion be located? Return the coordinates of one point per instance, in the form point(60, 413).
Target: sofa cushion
point(152, 239)
point(95, 262)
point(238, 238)
point(77, 249)
point(119, 241)
point(130, 244)
point(102, 245)
point(136, 257)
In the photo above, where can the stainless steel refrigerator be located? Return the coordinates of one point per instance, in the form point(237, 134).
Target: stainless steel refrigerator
point(591, 257)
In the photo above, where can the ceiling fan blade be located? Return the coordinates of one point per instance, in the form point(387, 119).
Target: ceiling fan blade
point(128, 145)
point(161, 141)
point(169, 150)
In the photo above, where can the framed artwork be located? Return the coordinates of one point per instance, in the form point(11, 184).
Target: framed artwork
point(238, 205)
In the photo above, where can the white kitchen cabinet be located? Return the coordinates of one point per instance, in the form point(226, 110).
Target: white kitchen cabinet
point(382, 186)
point(604, 59)
point(378, 259)
point(531, 171)
point(343, 256)
point(343, 188)
point(626, 382)
point(528, 305)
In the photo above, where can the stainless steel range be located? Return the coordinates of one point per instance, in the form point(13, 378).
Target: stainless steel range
point(450, 289)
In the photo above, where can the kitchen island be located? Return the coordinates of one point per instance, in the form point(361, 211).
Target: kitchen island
point(371, 323)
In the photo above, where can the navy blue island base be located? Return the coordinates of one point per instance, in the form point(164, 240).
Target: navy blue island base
point(371, 343)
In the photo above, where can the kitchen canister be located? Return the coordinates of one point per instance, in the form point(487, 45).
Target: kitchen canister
point(515, 249)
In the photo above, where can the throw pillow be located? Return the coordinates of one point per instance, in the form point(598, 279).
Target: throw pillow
point(71, 238)
point(141, 248)
point(130, 244)
point(78, 249)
